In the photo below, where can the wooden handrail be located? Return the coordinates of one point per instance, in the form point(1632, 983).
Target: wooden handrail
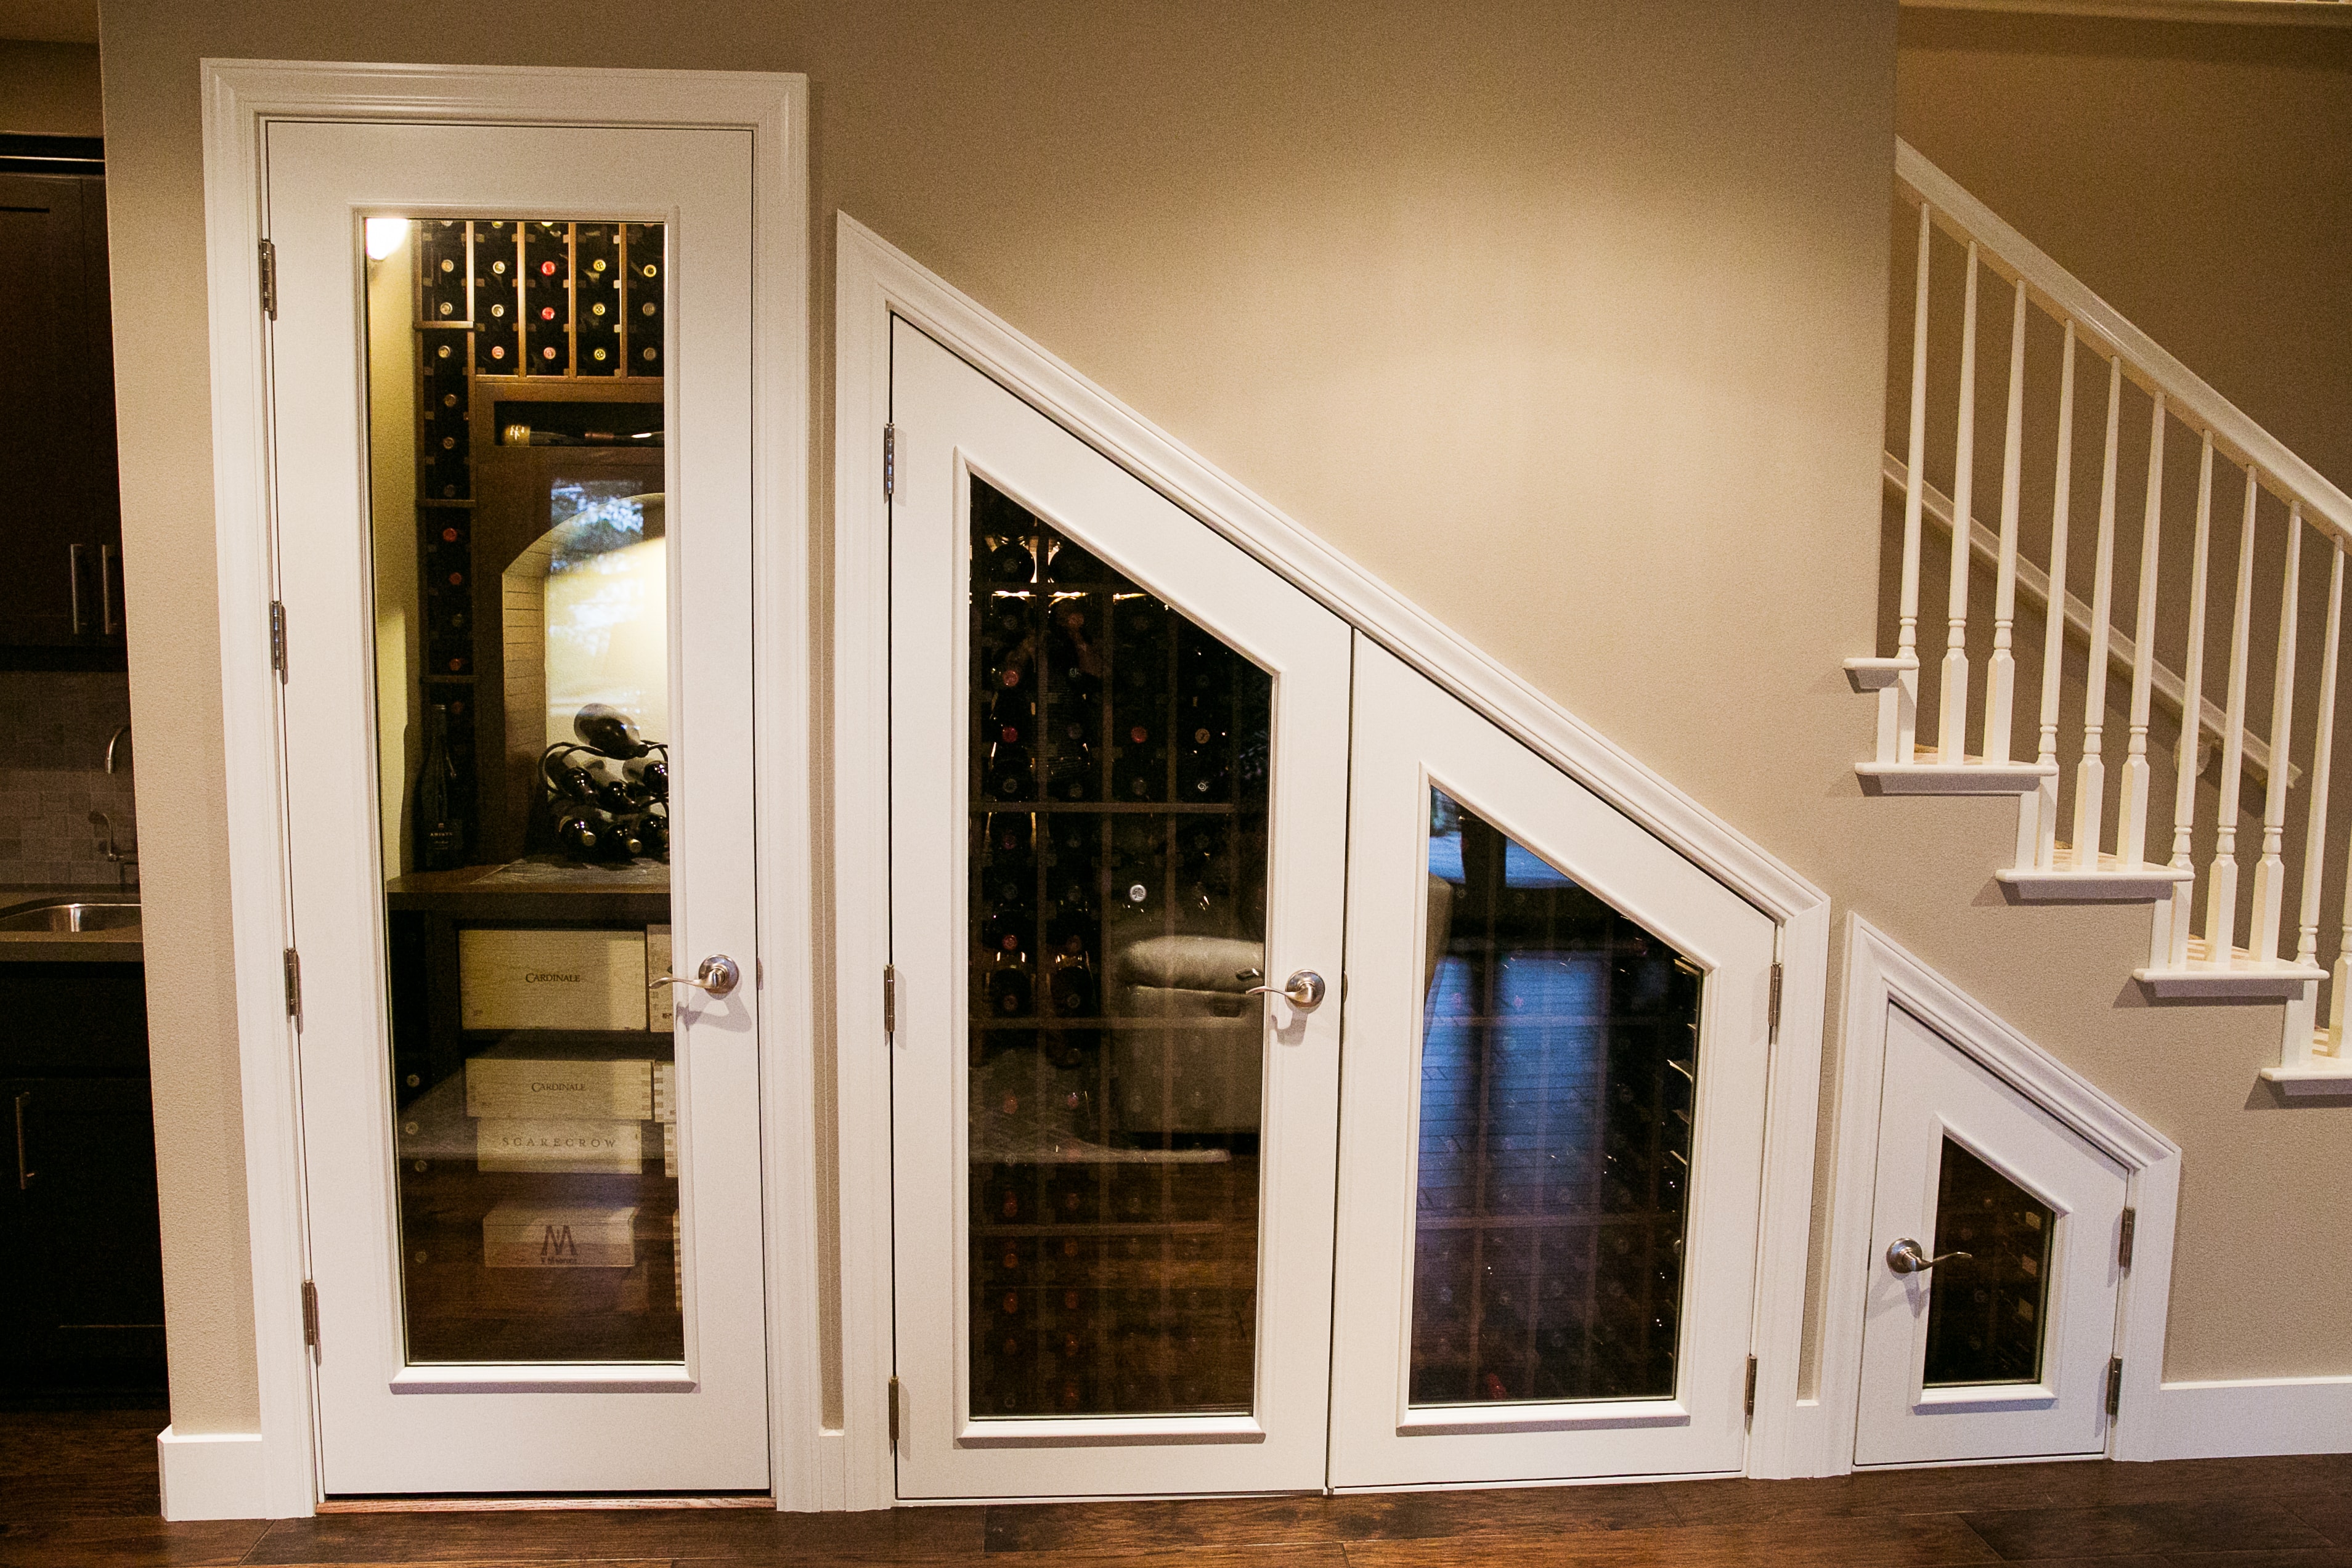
point(2012, 255)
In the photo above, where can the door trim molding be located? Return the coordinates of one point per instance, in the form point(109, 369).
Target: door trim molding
point(874, 280)
point(1879, 972)
point(240, 98)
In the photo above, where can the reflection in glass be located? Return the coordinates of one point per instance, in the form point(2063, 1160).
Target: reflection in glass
point(1985, 1311)
point(522, 703)
point(1119, 790)
point(1560, 1044)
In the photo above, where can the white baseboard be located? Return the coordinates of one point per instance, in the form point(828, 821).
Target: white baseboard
point(2249, 1417)
point(212, 1475)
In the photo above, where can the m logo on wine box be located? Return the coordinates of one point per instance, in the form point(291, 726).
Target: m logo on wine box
point(529, 1235)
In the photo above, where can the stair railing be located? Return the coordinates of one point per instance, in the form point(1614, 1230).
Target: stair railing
point(2098, 858)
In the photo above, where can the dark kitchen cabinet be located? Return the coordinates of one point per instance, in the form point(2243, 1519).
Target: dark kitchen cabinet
point(61, 600)
point(82, 1291)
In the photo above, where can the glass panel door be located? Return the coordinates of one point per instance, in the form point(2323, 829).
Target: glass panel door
point(517, 731)
point(1558, 1064)
point(523, 724)
point(1991, 1307)
point(1118, 884)
point(1552, 1129)
point(1119, 752)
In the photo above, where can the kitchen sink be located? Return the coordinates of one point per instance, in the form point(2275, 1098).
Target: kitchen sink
point(69, 914)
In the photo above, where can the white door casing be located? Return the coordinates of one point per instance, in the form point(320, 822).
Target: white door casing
point(952, 423)
point(1410, 735)
point(1934, 1090)
point(383, 1427)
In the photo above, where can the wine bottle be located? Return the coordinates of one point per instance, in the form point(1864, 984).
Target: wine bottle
point(560, 768)
point(1008, 560)
point(1010, 991)
point(607, 731)
point(616, 835)
point(575, 835)
point(440, 836)
point(653, 830)
point(650, 773)
point(1070, 980)
point(1010, 770)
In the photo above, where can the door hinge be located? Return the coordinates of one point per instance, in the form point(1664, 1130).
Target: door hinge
point(891, 1002)
point(889, 461)
point(894, 1409)
point(294, 987)
point(277, 639)
point(1749, 1403)
point(1772, 1023)
point(2115, 1385)
point(269, 281)
point(2123, 1239)
point(310, 1316)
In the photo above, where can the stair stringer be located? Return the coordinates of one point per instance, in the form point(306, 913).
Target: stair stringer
point(876, 281)
point(1880, 972)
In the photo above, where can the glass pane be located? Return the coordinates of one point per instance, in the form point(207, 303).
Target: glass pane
point(1559, 1042)
point(523, 714)
point(1985, 1310)
point(1118, 885)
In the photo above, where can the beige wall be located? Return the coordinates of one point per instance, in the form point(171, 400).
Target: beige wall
point(48, 90)
point(1568, 321)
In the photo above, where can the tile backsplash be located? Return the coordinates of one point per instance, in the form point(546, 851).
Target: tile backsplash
point(54, 726)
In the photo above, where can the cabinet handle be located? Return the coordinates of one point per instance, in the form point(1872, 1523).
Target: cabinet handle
point(24, 1176)
point(107, 622)
point(76, 555)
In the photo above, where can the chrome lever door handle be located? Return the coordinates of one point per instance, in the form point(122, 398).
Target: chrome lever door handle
point(1907, 1257)
point(1305, 990)
point(718, 975)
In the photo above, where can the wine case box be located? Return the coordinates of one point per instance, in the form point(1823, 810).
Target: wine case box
point(577, 1091)
point(661, 1001)
point(537, 1144)
point(534, 1236)
point(551, 979)
point(666, 1092)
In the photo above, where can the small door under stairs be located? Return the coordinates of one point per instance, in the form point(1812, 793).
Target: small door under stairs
point(1996, 1255)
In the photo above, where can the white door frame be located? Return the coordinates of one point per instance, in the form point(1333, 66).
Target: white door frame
point(873, 281)
point(1880, 973)
point(275, 1473)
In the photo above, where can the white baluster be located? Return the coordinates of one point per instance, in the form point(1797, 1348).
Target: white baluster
point(2090, 775)
point(2297, 1048)
point(1899, 704)
point(2221, 892)
point(2131, 810)
point(1953, 703)
point(2270, 876)
point(2170, 948)
point(2044, 803)
point(2000, 678)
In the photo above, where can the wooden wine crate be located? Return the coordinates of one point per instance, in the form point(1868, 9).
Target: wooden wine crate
point(544, 1088)
point(665, 1092)
point(534, 1236)
point(510, 978)
point(661, 1001)
point(537, 1144)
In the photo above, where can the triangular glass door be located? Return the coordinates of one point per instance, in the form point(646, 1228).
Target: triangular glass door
point(1552, 1126)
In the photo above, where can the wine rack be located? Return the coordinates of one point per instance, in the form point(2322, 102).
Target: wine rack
point(1117, 863)
point(1985, 1309)
point(562, 304)
point(1560, 1046)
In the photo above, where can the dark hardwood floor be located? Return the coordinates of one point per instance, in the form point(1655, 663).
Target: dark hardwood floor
point(78, 1491)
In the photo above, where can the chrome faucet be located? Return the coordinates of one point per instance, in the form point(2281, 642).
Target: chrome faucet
point(123, 859)
point(121, 735)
